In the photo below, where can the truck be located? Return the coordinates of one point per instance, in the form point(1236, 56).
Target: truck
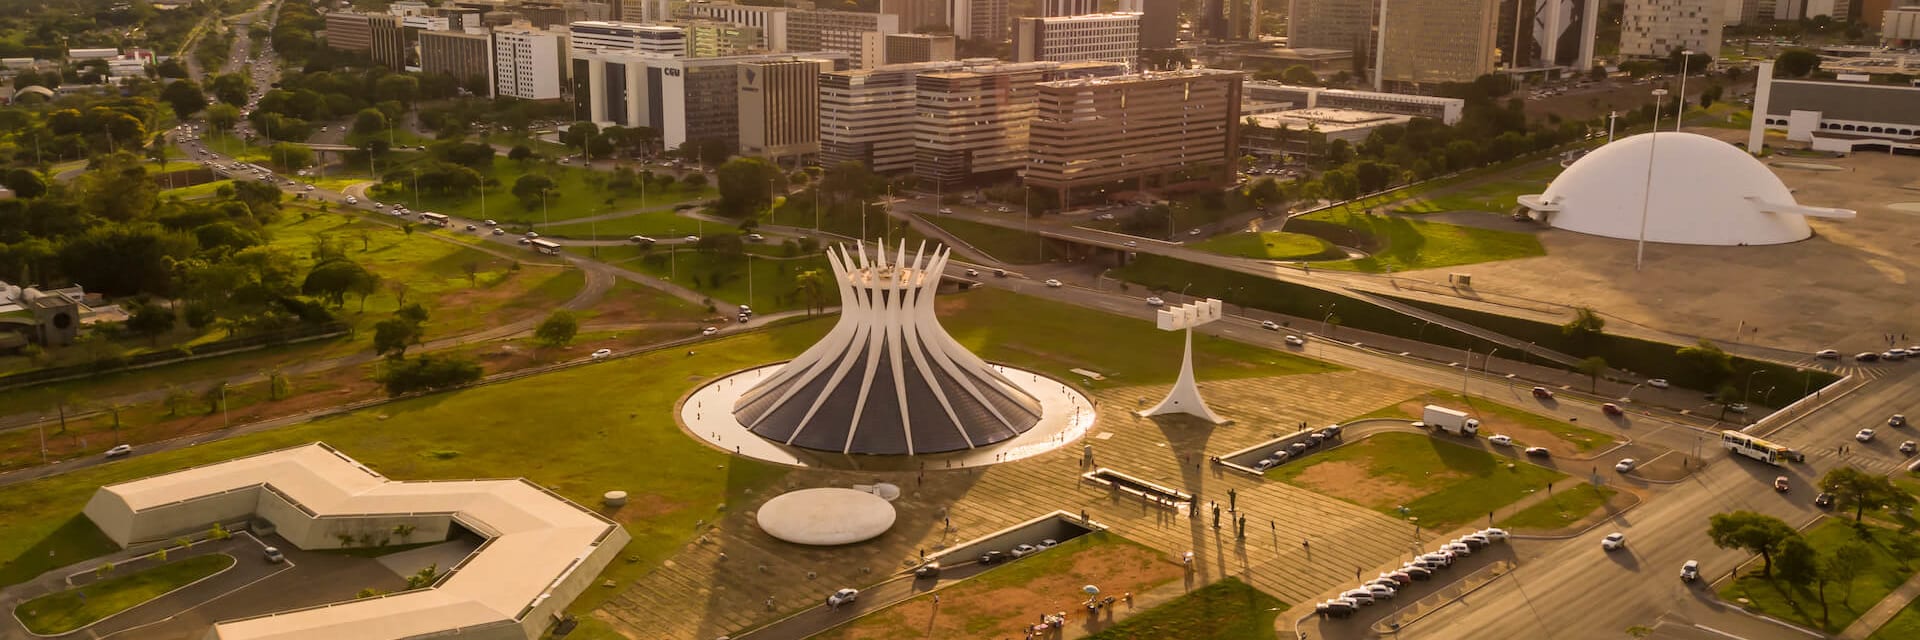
point(1451, 421)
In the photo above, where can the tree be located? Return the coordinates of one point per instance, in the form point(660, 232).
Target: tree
point(223, 116)
point(1800, 566)
point(1796, 63)
point(520, 153)
point(333, 279)
point(392, 337)
point(1585, 325)
point(25, 183)
point(747, 185)
point(291, 156)
point(557, 330)
point(427, 372)
point(1300, 74)
point(579, 133)
point(175, 399)
point(1708, 361)
point(1593, 366)
point(532, 189)
point(1754, 532)
point(185, 97)
point(424, 578)
point(1846, 563)
point(150, 319)
point(369, 121)
point(812, 286)
point(1860, 491)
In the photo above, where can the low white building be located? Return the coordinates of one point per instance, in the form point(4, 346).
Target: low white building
point(541, 551)
point(1837, 116)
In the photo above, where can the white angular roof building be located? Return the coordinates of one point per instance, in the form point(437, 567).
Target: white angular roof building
point(1691, 188)
point(541, 549)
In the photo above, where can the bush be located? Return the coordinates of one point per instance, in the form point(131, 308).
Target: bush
point(428, 372)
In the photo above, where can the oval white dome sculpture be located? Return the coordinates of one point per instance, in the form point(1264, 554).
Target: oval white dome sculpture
point(1704, 192)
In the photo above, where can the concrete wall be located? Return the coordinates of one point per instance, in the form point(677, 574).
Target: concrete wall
point(575, 583)
point(305, 532)
point(166, 522)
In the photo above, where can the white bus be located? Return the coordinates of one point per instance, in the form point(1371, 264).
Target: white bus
point(435, 219)
point(548, 247)
point(1757, 449)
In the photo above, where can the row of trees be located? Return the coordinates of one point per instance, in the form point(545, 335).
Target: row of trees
point(1785, 554)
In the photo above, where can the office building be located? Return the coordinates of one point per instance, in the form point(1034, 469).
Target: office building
point(1563, 33)
point(712, 38)
point(771, 21)
point(589, 36)
point(859, 34)
point(1841, 117)
point(972, 122)
point(1244, 24)
point(1159, 22)
point(1900, 27)
point(1344, 25)
point(1266, 97)
point(779, 103)
point(467, 57)
point(867, 115)
point(1134, 132)
point(1060, 8)
point(903, 48)
point(1657, 28)
point(392, 47)
point(917, 14)
point(1100, 37)
point(984, 20)
point(529, 64)
point(1435, 41)
point(685, 99)
point(347, 31)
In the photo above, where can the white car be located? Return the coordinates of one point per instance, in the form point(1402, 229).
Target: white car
point(119, 450)
point(1865, 435)
point(1613, 541)
point(709, 331)
point(1539, 451)
point(691, 238)
point(491, 223)
point(1269, 325)
point(1501, 439)
point(843, 596)
point(946, 210)
point(1024, 550)
point(352, 200)
point(971, 273)
point(1827, 354)
point(379, 205)
point(1046, 544)
point(602, 353)
point(1132, 243)
point(1659, 383)
point(1625, 465)
point(756, 237)
point(1155, 301)
point(1054, 283)
point(1496, 535)
point(1295, 341)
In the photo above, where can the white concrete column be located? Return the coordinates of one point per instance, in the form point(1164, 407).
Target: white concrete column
point(1762, 92)
point(597, 90)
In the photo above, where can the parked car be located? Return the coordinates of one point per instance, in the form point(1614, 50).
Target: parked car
point(1625, 465)
point(1782, 485)
point(1047, 543)
point(843, 596)
point(1659, 383)
point(1458, 549)
point(1827, 354)
point(993, 557)
point(1613, 541)
point(1496, 535)
point(1866, 356)
point(273, 555)
point(1362, 596)
point(1417, 572)
point(1690, 571)
point(1539, 451)
point(120, 450)
point(602, 353)
point(1024, 550)
point(1542, 393)
point(1501, 439)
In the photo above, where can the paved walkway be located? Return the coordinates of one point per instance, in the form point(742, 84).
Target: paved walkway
point(1888, 607)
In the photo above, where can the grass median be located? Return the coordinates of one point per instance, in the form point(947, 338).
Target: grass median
point(1845, 600)
point(1562, 509)
point(1272, 245)
point(1441, 483)
point(1225, 610)
point(65, 611)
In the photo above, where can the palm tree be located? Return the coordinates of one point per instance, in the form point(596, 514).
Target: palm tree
point(812, 285)
point(1593, 367)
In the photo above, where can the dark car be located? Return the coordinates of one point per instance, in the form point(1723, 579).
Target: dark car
point(1824, 500)
point(1866, 356)
point(1419, 573)
point(993, 557)
point(1331, 431)
point(928, 570)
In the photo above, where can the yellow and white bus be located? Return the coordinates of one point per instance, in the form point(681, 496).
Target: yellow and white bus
point(1757, 448)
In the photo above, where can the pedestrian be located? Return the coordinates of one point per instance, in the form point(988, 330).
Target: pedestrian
point(923, 554)
point(1304, 544)
point(1083, 516)
point(936, 599)
point(1216, 517)
point(1233, 500)
point(949, 523)
point(1274, 525)
point(1356, 573)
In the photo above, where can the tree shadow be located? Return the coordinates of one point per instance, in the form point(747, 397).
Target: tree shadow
point(74, 541)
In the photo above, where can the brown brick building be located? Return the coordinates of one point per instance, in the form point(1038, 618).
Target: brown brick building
point(1134, 131)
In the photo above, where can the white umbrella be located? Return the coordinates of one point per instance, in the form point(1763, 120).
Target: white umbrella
point(1091, 590)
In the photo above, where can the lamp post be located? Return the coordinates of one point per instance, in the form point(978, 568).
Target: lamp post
point(1646, 195)
point(1686, 57)
point(1747, 393)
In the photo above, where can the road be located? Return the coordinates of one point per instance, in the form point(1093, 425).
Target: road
point(1573, 589)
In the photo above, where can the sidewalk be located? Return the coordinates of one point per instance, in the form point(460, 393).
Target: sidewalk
point(1888, 607)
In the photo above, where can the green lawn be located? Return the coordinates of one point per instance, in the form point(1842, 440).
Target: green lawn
point(575, 195)
point(1442, 483)
point(1272, 245)
point(659, 224)
point(1495, 196)
point(1225, 610)
point(724, 277)
point(61, 612)
point(1567, 506)
point(202, 190)
point(1904, 625)
point(1845, 602)
point(1006, 245)
point(1405, 244)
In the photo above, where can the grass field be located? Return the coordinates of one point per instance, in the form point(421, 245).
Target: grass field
point(774, 280)
point(575, 195)
point(64, 611)
point(1225, 610)
point(1272, 245)
point(1845, 601)
point(1441, 483)
point(659, 224)
point(1566, 507)
point(1904, 625)
point(1001, 601)
point(1406, 244)
point(1006, 245)
point(1494, 197)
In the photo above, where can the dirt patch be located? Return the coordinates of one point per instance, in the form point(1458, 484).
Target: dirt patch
point(1354, 481)
point(979, 609)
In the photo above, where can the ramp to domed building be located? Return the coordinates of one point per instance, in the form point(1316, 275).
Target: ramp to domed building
point(887, 379)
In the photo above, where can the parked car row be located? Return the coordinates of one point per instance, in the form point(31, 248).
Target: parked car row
point(1420, 568)
point(1300, 448)
point(1018, 551)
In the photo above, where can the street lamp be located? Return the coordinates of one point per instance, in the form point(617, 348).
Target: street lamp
point(1746, 394)
point(1686, 57)
point(1646, 195)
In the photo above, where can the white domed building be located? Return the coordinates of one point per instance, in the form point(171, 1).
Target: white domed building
point(1703, 192)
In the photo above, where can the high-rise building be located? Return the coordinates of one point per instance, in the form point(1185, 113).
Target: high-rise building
point(348, 31)
point(1099, 37)
point(392, 47)
point(712, 38)
point(467, 57)
point(779, 102)
point(859, 34)
point(1213, 22)
point(973, 122)
point(867, 115)
point(917, 14)
point(1563, 33)
point(1900, 26)
point(902, 48)
point(1159, 22)
point(1245, 21)
point(985, 20)
point(528, 63)
point(685, 99)
point(772, 21)
point(1344, 25)
point(1134, 131)
point(1435, 41)
point(1057, 8)
point(1657, 28)
point(589, 36)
